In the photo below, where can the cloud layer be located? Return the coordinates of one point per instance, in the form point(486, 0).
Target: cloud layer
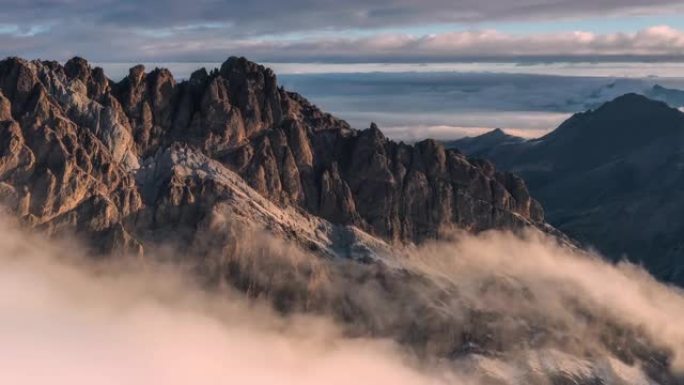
point(411, 106)
point(523, 309)
point(657, 41)
point(111, 44)
point(210, 30)
point(264, 16)
point(64, 320)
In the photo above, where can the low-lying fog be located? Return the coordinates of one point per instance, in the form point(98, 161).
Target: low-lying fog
point(489, 309)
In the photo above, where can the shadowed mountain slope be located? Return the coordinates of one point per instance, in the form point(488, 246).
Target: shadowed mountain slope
point(612, 178)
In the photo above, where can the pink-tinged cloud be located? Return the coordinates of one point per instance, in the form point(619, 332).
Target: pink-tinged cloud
point(657, 41)
point(301, 30)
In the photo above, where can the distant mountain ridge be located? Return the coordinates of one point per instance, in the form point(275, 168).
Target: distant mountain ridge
point(612, 178)
point(473, 145)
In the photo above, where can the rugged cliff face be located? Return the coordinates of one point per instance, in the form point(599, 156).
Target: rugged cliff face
point(77, 150)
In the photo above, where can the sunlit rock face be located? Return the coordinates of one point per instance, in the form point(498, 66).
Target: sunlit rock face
point(74, 141)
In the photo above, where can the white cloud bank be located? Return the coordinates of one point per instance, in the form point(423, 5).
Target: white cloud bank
point(544, 311)
point(68, 322)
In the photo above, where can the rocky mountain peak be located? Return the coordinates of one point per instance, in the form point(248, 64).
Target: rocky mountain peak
point(495, 133)
point(636, 111)
point(631, 99)
point(74, 144)
point(77, 67)
point(613, 130)
point(136, 74)
point(199, 76)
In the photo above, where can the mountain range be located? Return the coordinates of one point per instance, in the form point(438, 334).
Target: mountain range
point(610, 178)
point(127, 163)
point(254, 187)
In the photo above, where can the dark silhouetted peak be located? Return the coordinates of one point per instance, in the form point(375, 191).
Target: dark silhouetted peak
point(77, 67)
point(17, 82)
point(136, 73)
point(162, 86)
point(243, 66)
point(628, 120)
point(235, 62)
point(12, 62)
point(616, 128)
point(495, 133)
point(13, 65)
point(373, 133)
point(199, 76)
point(254, 90)
point(95, 80)
point(241, 70)
point(610, 178)
point(160, 73)
point(473, 146)
point(632, 103)
point(98, 74)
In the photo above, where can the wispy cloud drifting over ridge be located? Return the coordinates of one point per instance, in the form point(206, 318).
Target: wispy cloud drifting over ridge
point(543, 311)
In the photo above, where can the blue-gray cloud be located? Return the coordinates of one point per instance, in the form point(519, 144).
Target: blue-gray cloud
point(258, 16)
point(206, 29)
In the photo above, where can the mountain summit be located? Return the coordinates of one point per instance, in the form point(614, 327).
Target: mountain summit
point(472, 145)
point(126, 164)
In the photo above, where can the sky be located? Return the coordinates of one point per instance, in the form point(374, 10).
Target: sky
point(428, 68)
point(332, 31)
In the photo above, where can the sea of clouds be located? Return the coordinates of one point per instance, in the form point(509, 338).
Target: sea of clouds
point(495, 308)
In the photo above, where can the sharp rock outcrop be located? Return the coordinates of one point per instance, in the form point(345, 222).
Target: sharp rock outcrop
point(73, 143)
